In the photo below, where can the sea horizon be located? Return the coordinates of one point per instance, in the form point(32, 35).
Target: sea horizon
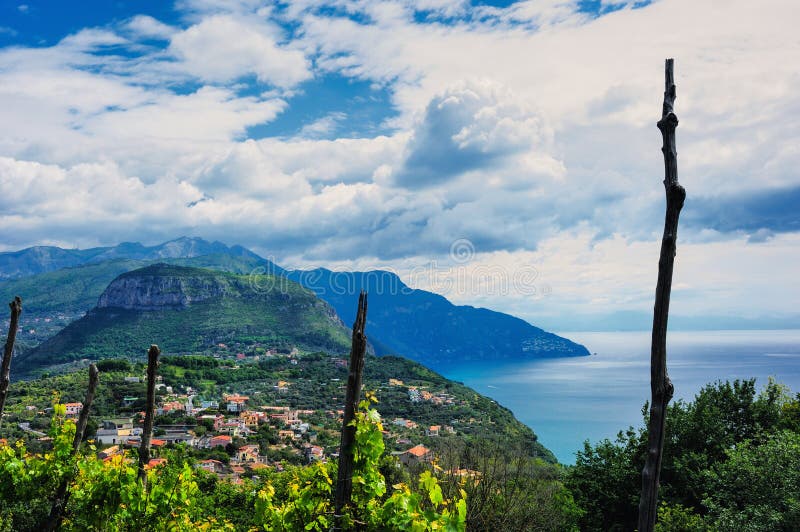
point(569, 400)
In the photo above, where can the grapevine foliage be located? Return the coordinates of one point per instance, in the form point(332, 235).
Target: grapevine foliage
point(107, 495)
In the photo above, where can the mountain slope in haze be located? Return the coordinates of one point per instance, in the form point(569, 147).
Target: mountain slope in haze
point(187, 310)
point(41, 259)
point(426, 327)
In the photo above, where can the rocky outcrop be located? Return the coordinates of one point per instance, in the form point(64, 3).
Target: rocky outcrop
point(188, 310)
point(153, 292)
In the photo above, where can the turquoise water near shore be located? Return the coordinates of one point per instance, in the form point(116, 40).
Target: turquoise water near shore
point(569, 400)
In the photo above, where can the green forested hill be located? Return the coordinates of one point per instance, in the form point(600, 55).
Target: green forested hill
point(189, 310)
point(314, 383)
point(76, 289)
point(517, 485)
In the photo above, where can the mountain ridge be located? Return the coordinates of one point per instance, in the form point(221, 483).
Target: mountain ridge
point(77, 288)
point(417, 324)
point(42, 259)
point(435, 331)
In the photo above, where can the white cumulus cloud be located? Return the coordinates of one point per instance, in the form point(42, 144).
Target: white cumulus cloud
point(223, 48)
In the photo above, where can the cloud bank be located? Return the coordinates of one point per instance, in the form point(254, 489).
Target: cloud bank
point(528, 130)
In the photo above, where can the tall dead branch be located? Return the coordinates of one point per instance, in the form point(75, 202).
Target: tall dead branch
point(147, 431)
point(344, 481)
point(8, 352)
point(83, 419)
point(660, 385)
point(62, 495)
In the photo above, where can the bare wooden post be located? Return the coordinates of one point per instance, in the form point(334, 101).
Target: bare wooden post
point(660, 385)
point(344, 481)
point(8, 352)
point(83, 419)
point(62, 495)
point(147, 431)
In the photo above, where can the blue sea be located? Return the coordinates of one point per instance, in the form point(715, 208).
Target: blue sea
point(569, 400)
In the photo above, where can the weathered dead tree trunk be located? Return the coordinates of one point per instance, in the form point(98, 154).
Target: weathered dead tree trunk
point(344, 481)
point(83, 419)
point(8, 352)
point(147, 431)
point(660, 385)
point(62, 495)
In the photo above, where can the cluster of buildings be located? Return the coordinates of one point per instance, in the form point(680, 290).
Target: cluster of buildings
point(228, 424)
point(220, 430)
point(431, 431)
point(416, 394)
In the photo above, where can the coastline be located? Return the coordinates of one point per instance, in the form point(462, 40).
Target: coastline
point(572, 399)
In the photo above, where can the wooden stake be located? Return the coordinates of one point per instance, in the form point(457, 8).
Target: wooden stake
point(147, 431)
point(344, 481)
point(8, 352)
point(62, 495)
point(83, 419)
point(660, 386)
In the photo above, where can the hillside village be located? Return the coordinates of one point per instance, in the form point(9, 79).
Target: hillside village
point(234, 435)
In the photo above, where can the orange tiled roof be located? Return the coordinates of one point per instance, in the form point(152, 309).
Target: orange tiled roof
point(156, 462)
point(235, 398)
point(419, 450)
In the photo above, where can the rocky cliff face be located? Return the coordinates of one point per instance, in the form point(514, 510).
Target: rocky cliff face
point(190, 310)
point(146, 291)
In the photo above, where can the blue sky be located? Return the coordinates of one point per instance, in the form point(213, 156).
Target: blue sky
point(386, 133)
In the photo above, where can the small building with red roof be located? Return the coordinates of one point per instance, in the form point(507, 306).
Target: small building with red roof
point(155, 462)
point(73, 409)
point(212, 466)
point(220, 441)
point(416, 455)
